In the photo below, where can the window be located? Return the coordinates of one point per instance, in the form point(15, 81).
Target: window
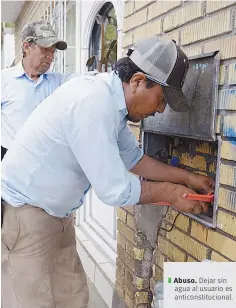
point(103, 41)
point(70, 53)
point(62, 16)
point(53, 14)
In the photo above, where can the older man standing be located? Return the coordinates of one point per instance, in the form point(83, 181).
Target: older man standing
point(26, 85)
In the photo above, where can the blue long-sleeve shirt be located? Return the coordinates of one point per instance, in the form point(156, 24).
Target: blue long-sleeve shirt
point(76, 138)
point(20, 95)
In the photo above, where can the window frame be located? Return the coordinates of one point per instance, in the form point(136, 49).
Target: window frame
point(95, 36)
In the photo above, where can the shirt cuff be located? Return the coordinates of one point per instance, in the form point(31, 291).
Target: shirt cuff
point(135, 191)
point(134, 162)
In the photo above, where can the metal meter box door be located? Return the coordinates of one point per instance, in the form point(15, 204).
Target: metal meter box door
point(172, 130)
point(201, 89)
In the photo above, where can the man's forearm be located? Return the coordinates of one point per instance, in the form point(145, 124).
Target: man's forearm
point(151, 169)
point(156, 192)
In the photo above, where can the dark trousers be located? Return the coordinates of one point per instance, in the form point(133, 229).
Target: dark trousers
point(3, 152)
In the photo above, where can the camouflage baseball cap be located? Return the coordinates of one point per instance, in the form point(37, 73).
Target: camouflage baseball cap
point(43, 35)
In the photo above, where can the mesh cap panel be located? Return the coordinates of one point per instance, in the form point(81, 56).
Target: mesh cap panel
point(143, 48)
point(165, 63)
point(160, 56)
point(162, 59)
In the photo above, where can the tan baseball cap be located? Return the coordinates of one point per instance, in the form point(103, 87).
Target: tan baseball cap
point(44, 36)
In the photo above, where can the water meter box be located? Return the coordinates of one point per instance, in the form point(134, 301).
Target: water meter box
point(201, 89)
point(174, 137)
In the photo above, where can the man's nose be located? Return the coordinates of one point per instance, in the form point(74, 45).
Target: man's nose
point(50, 55)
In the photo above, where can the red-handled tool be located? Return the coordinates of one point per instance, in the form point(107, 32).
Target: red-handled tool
point(205, 198)
point(195, 197)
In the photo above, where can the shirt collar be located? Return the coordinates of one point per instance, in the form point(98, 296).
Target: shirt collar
point(19, 71)
point(118, 93)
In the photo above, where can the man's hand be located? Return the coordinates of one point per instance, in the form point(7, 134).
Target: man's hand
point(157, 192)
point(152, 169)
point(187, 206)
point(200, 182)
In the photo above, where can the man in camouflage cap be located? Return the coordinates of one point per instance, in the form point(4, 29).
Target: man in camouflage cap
point(27, 84)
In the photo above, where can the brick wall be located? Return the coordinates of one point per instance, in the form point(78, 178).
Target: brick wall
point(198, 27)
point(189, 240)
point(125, 250)
point(32, 11)
point(135, 257)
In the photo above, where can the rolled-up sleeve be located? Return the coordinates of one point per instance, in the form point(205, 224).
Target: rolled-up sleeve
point(91, 128)
point(130, 152)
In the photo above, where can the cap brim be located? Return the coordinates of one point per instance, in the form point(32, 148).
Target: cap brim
point(47, 42)
point(176, 99)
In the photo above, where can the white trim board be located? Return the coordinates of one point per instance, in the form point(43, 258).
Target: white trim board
point(97, 266)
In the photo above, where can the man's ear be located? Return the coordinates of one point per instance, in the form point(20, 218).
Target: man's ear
point(26, 47)
point(135, 81)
